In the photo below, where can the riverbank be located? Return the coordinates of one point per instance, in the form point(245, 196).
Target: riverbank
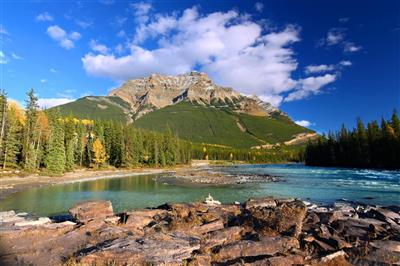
point(263, 231)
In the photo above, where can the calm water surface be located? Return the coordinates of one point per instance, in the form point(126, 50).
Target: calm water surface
point(317, 184)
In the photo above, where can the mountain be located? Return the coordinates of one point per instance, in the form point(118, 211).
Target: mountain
point(196, 109)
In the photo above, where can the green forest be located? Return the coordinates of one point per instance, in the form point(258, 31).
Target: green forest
point(45, 141)
point(34, 139)
point(376, 145)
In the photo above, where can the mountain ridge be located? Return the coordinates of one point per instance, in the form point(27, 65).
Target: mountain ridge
point(157, 91)
point(196, 109)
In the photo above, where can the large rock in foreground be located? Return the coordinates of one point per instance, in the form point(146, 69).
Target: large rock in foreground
point(91, 210)
point(264, 231)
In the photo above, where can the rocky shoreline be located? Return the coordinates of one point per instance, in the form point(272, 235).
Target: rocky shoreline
point(212, 177)
point(264, 231)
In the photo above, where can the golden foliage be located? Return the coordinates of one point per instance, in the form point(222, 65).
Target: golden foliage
point(99, 153)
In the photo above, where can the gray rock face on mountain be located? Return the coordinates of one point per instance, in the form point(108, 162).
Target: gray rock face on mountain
point(158, 91)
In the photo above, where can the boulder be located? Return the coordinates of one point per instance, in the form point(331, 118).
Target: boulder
point(268, 246)
point(91, 210)
point(166, 249)
point(221, 237)
point(286, 218)
point(141, 218)
point(334, 259)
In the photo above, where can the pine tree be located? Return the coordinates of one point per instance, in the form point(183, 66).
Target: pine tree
point(11, 139)
point(55, 157)
point(29, 151)
point(70, 139)
point(3, 115)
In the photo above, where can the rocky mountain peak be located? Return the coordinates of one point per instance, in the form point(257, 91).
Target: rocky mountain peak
point(157, 91)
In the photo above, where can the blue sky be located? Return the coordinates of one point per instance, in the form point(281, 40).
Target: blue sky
point(323, 62)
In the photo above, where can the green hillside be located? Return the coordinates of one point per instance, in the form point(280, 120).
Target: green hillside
point(219, 126)
point(97, 107)
point(197, 123)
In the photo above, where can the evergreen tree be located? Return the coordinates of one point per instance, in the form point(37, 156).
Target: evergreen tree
point(29, 151)
point(11, 139)
point(55, 157)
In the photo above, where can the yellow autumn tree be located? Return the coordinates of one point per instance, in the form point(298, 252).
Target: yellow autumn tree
point(99, 153)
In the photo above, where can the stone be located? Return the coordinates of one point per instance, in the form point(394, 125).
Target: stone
point(141, 218)
point(267, 202)
point(221, 237)
point(285, 260)
point(247, 248)
point(169, 249)
point(386, 245)
point(40, 221)
point(209, 227)
point(334, 259)
point(284, 218)
point(91, 210)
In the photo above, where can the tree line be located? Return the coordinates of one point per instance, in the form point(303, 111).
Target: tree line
point(34, 139)
point(375, 146)
point(275, 155)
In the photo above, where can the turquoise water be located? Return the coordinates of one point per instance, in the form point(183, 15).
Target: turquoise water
point(316, 184)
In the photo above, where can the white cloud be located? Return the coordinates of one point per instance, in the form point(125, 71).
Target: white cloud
point(312, 69)
point(64, 39)
point(351, 47)
point(335, 36)
point(51, 102)
point(232, 48)
point(319, 68)
point(43, 80)
point(121, 34)
point(83, 24)
point(100, 48)
point(141, 11)
point(310, 86)
point(259, 6)
point(15, 56)
point(53, 70)
point(44, 17)
point(303, 123)
point(3, 59)
point(345, 63)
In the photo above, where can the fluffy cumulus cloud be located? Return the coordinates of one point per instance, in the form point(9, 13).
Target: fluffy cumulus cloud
point(50, 102)
point(64, 39)
point(310, 86)
point(44, 17)
point(232, 48)
point(303, 123)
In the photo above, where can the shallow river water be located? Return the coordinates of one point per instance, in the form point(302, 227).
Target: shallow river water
point(317, 184)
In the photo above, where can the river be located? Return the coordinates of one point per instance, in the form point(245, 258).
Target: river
point(316, 184)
